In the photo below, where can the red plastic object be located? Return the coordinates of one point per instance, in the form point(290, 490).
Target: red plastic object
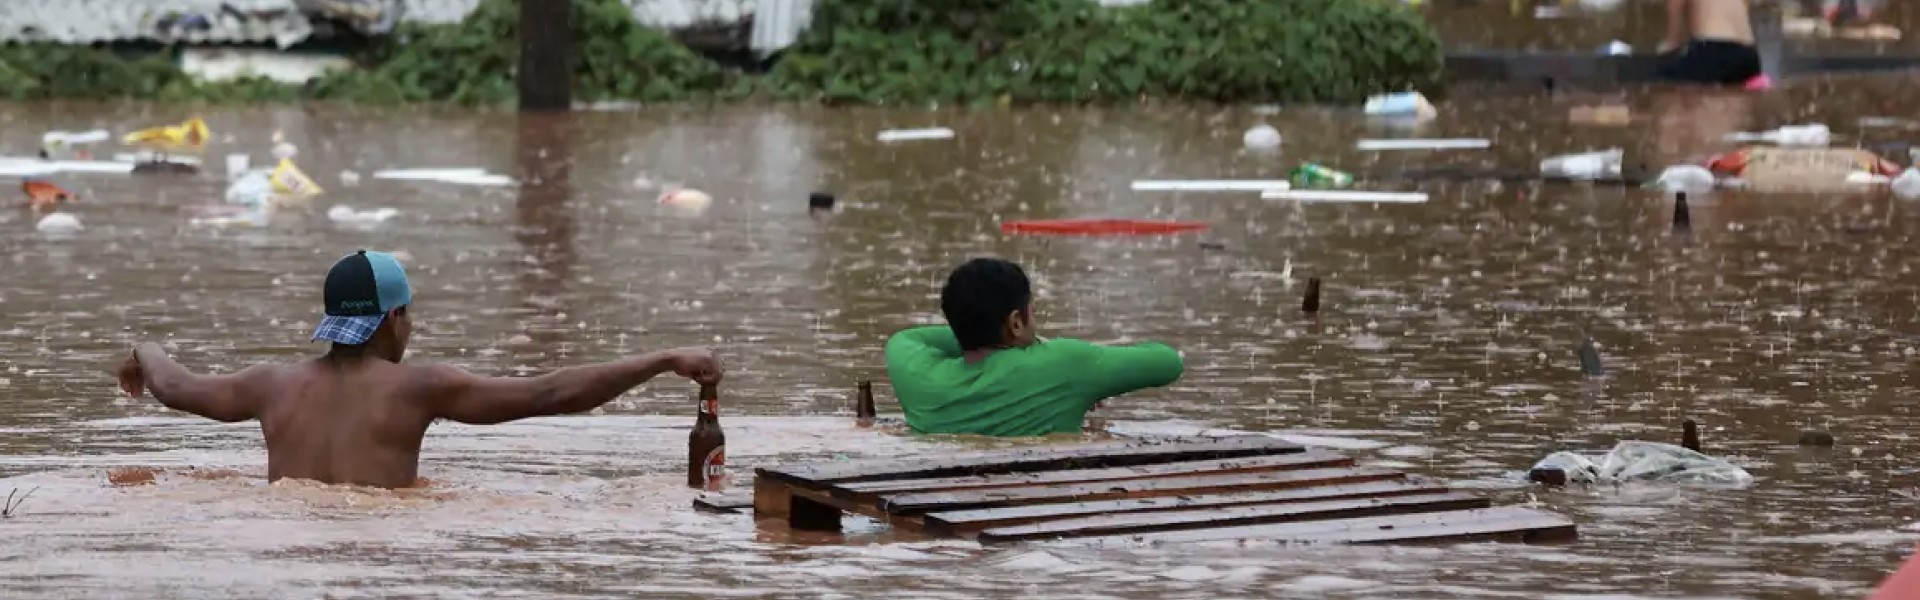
point(1101, 227)
point(1903, 584)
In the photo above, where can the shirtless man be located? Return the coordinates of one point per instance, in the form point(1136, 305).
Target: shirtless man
point(1709, 41)
point(357, 415)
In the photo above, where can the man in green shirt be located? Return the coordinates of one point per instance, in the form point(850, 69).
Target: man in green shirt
point(987, 373)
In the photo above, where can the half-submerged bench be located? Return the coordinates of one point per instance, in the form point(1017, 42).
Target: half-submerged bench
point(1244, 487)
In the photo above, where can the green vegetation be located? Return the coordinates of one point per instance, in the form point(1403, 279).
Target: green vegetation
point(893, 51)
point(857, 51)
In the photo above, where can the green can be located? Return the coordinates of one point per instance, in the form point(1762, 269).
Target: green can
point(1312, 175)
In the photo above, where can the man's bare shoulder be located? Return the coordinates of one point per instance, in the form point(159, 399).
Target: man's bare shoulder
point(434, 377)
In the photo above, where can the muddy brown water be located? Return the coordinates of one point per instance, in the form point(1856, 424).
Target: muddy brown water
point(1446, 347)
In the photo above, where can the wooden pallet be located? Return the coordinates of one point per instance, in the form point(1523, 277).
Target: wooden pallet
point(1170, 490)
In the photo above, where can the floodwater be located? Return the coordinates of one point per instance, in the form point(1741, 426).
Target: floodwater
point(1446, 347)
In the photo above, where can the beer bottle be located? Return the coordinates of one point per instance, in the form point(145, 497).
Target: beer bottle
point(707, 446)
point(863, 411)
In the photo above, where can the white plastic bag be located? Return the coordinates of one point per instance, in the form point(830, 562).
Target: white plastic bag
point(252, 189)
point(1648, 462)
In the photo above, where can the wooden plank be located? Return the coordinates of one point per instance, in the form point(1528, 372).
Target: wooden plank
point(727, 503)
point(965, 522)
point(1301, 460)
point(1257, 514)
point(1052, 458)
point(1505, 523)
point(913, 504)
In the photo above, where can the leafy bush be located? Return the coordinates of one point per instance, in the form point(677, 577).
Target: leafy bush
point(470, 63)
point(892, 51)
point(856, 51)
point(614, 57)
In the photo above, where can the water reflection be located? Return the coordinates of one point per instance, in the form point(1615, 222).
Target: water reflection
point(544, 229)
point(1444, 346)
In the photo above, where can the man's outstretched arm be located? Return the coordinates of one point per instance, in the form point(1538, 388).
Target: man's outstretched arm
point(456, 394)
point(225, 398)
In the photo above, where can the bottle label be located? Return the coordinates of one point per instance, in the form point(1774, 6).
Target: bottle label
point(710, 406)
point(715, 467)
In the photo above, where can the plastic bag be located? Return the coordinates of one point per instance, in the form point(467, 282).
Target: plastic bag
point(252, 189)
point(1648, 462)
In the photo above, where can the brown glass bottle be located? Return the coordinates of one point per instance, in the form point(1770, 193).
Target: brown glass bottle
point(707, 446)
point(863, 411)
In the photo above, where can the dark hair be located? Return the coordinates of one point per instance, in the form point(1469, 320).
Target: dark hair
point(978, 297)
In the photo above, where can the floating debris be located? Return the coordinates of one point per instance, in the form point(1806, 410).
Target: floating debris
point(820, 201)
point(1907, 185)
point(1647, 462)
point(58, 223)
point(1407, 104)
point(1814, 134)
point(1311, 175)
point(1682, 216)
point(458, 176)
point(907, 135)
point(43, 195)
point(1211, 185)
point(1686, 179)
point(1310, 302)
point(1261, 137)
point(688, 199)
point(190, 136)
point(1344, 196)
point(62, 144)
point(1590, 359)
point(238, 165)
point(1377, 145)
point(21, 166)
point(341, 213)
point(1584, 165)
point(289, 180)
point(863, 409)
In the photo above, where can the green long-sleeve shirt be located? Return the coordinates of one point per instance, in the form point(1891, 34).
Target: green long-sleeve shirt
point(1037, 390)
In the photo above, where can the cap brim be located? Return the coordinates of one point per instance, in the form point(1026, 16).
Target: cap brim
point(351, 331)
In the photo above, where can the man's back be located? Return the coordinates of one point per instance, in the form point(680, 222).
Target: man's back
point(1035, 390)
point(353, 422)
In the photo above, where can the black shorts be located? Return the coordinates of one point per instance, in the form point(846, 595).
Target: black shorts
point(1713, 61)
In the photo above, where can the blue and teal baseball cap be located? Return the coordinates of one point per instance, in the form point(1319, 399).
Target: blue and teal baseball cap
point(360, 290)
